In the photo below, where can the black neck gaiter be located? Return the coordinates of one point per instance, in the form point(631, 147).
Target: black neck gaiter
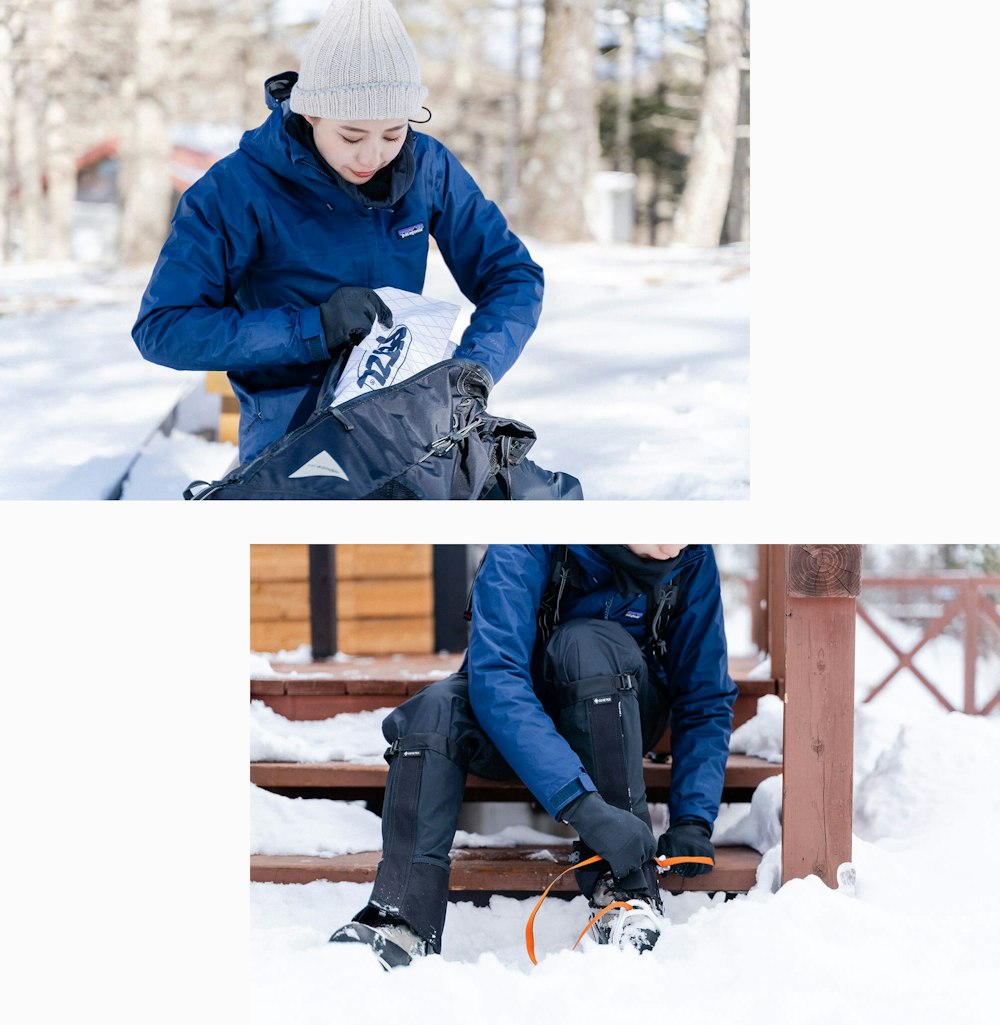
point(634, 574)
point(386, 188)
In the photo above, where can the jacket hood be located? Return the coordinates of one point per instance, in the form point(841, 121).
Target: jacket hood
point(287, 149)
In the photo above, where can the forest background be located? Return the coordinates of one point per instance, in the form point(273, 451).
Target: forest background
point(103, 102)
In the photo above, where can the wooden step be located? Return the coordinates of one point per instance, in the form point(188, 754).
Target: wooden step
point(350, 781)
point(500, 870)
point(319, 690)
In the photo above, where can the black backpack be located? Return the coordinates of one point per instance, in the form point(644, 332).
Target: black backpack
point(428, 437)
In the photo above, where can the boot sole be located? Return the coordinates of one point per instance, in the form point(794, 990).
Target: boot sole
point(390, 955)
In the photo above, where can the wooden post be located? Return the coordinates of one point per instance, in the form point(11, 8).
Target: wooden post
point(323, 600)
point(970, 635)
point(451, 582)
point(776, 613)
point(759, 634)
point(823, 582)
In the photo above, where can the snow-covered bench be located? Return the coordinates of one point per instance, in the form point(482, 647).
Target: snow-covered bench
point(810, 594)
point(520, 869)
point(321, 690)
point(353, 781)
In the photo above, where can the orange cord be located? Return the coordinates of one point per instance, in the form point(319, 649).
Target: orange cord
point(664, 863)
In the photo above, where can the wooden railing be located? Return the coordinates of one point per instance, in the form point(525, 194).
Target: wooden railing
point(950, 598)
point(954, 596)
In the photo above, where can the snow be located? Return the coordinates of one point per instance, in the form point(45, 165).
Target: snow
point(761, 736)
point(910, 934)
point(287, 825)
point(905, 945)
point(79, 401)
point(637, 380)
point(356, 737)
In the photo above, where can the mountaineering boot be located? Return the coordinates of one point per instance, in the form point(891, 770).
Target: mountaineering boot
point(393, 942)
point(623, 919)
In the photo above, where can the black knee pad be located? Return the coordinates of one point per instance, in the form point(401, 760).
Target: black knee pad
point(592, 674)
point(591, 647)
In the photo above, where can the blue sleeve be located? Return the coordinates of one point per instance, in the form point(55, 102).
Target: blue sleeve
point(189, 319)
point(492, 267)
point(505, 602)
point(703, 697)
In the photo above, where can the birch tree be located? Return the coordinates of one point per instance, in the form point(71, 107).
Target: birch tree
point(145, 149)
point(26, 23)
point(6, 101)
point(702, 209)
point(625, 98)
point(564, 152)
point(60, 162)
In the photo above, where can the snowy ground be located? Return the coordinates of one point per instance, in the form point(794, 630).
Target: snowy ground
point(637, 380)
point(911, 936)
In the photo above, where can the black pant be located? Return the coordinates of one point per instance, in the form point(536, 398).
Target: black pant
point(597, 689)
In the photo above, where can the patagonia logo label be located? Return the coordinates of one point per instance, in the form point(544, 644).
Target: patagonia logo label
point(602, 701)
point(633, 614)
point(413, 229)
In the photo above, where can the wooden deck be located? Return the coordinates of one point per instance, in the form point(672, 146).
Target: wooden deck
point(322, 689)
point(501, 870)
point(319, 690)
point(348, 781)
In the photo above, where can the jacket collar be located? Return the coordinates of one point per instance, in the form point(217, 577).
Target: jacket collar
point(594, 563)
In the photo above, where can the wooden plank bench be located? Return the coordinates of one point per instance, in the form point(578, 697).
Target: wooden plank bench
point(349, 781)
point(323, 689)
point(319, 690)
point(511, 870)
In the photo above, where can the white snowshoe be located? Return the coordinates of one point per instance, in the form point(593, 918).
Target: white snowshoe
point(623, 921)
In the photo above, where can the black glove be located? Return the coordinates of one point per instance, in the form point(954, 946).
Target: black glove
point(688, 838)
point(624, 841)
point(348, 316)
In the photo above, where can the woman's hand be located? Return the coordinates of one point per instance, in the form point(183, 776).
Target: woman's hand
point(348, 316)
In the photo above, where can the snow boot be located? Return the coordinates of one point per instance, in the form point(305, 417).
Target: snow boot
point(394, 943)
point(624, 919)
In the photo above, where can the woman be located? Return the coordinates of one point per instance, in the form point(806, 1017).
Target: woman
point(271, 261)
point(579, 656)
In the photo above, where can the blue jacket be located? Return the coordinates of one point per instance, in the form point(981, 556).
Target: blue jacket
point(503, 657)
point(266, 235)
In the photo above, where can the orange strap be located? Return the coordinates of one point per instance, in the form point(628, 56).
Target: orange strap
point(664, 863)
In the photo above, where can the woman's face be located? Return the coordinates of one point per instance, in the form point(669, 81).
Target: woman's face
point(357, 149)
point(661, 552)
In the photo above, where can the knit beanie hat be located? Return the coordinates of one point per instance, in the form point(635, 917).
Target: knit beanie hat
point(358, 65)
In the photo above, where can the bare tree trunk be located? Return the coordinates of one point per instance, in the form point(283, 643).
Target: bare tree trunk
point(60, 164)
point(565, 148)
point(626, 92)
point(145, 148)
point(27, 158)
point(737, 226)
point(702, 209)
point(250, 108)
point(6, 157)
point(515, 111)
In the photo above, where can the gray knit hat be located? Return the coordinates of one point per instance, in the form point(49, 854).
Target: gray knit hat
point(358, 65)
